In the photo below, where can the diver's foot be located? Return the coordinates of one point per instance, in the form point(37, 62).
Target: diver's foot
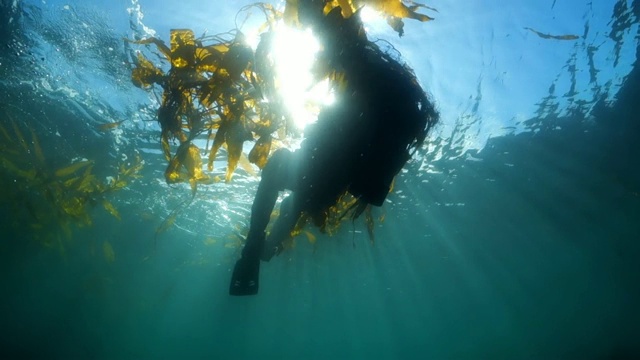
point(245, 277)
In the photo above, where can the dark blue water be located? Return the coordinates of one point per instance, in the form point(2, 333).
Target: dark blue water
point(525, 249)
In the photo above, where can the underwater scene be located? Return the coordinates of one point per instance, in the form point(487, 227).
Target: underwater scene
point(134, 135)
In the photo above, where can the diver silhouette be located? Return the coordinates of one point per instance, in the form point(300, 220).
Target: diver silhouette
point(358, 144)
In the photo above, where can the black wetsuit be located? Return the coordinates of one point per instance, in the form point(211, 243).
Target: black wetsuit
point(358, 144)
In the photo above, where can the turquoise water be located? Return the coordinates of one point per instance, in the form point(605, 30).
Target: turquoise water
point(514, 235)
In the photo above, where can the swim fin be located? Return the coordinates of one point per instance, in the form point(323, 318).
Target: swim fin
point(246, 276)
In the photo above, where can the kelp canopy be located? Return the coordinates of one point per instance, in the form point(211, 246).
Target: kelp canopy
point(221, 90)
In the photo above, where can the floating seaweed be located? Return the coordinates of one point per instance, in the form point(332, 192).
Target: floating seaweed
point(52, 198)
point(110, 126)
point(210, 86)
point(393, 11)
point(553, 37)
point(219, 89)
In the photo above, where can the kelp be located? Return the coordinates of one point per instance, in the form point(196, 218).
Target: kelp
point(219, 87)
point(110, 126)
point(54, 198)
point(553, 37)
point(219, 90)
point(346, 209)
point(107, 251)
point(394, 11)
point(208, 87)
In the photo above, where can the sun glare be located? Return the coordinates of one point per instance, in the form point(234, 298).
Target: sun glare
point(368, 15)
point(294, 53)
point(372, 19)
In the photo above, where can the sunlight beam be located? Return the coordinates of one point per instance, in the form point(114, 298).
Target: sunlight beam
point(294, 52)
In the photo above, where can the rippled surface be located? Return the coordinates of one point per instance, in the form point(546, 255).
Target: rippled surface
point(513, 235)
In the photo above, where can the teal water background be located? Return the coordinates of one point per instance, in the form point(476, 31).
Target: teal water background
point(515, 235)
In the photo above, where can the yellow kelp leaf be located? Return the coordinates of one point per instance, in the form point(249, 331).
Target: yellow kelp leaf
point(555, 37)
point(21, 139)
point(217, 143)
point(119, 184)
point(180, 38)
point(133, 170)
point(346, 6)
point(209, 241)
point(395, 8)
point(188, 155)
point(139, 164)
point(166, 149)
point(109, 126)
point(338, 80)
point(396, 24)
point(66, 171)
point(245, 164)
point(213, 89)
point(88, 184)
point(415, 6)
point(208, 58)
point(172, 173)
point(237, 59)
point(260, 152)
point(36, 147)
point(71, 182)
point(176, 102)
point(233, 245)
point(234, 150)
point(111, 209)
point(219, 48)
point(194, 187)
point(159, 43)
point(290, 15)
point(145, 73)
point(166, 224)
point(193, 163)
point(235, 138)
point(302, 221)
point(73, 207)
point(28, 175)
point(183, 48)
point(310, 237)
point(4, 132)
point(107, 251)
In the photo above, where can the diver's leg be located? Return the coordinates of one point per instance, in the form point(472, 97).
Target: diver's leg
point(261, 209)
point(244, 280)
point(290, 211)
